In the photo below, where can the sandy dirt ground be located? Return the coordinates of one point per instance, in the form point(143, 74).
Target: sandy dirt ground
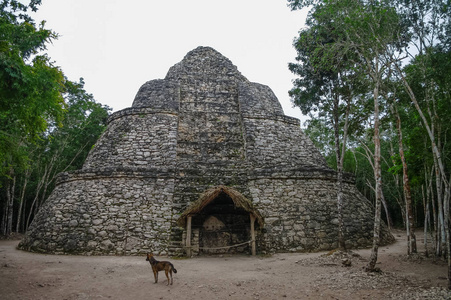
point(25, 275)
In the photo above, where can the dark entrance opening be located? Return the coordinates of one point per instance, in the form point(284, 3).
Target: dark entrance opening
point(223, 227)
point(221, 221)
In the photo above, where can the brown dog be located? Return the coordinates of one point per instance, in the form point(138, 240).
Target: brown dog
point(160, 266)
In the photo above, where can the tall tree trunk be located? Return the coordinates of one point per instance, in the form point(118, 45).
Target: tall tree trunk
point(396, 179)
point(429, 200)
point(387, 212)
point(9, 225)
point(378, 177)
point(384, 204)
point(370, 157)
point(36, 197)
point(8, 208)
point(5, 209)
point(426, 219)
point(435, 229)
point(21, 201)
point(340, 161)
point(410, 226)
point(440, 222)
point(447, 233)
point(342, 158)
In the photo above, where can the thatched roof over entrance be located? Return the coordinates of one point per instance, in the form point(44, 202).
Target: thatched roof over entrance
point(209, 195)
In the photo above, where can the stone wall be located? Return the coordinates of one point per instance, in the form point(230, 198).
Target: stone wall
point(257, 99)
point(277, 142)
point(158, 94)
point(136, 138)
point(134, 213)
point(112, 215)
point(302, 216)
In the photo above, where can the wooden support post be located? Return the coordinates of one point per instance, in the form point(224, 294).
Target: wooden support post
point(188, 236)
point(254, 251)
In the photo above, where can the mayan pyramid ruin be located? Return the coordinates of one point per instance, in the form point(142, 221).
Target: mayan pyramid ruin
point(203, 162)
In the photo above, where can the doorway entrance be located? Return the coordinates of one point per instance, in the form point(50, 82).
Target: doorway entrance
point(223, 228)
point(223, 221)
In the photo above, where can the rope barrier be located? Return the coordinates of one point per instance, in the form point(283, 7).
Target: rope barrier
point(217, 248)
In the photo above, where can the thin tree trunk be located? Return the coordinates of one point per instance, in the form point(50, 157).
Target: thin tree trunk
point(384, 204)
point(410, 226)
point(435, 229)
point(8, 209)
point(387, 213)
point(368, 155)
point(378, 177)
point(21, 201)
point(38, 190)
point(340, 161)
point(430, 200)
point(440, 224)
point(426, 219)
point(5, 209)
point(446, 225)
point(9, 224)
point(435, 149)
point(396, 179)
point(30, 213)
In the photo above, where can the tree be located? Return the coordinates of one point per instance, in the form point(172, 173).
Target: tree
point(47, 123)
point(64, 148)
point(426, 81)
point(326, 91)
point(429, 24)
point(403, 48)
point(363, 32)
point(410, 227)
point(30, 91)
point(30, 86)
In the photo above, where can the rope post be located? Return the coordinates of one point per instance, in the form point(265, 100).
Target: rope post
point(188, 236)
point(254, 252)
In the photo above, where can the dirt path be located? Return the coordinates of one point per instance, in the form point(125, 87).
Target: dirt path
point(26, 275)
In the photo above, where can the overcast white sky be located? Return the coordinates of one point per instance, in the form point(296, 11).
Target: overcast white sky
point(116, 46)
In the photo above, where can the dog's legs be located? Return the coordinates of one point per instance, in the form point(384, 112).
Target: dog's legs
point(170, 273)
point(167, 276)
point(155, 274)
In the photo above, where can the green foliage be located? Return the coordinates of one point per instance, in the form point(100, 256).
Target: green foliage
point(336, 63)
point(84, 120)
point(48, 124)
point(322, 137)
point(337, 53)
point(60, 148)
point(30, 86)
point(299, 4)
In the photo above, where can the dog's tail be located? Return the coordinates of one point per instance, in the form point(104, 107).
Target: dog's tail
point(173, 269)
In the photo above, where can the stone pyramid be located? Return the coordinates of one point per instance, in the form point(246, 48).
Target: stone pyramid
point(207, 144)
